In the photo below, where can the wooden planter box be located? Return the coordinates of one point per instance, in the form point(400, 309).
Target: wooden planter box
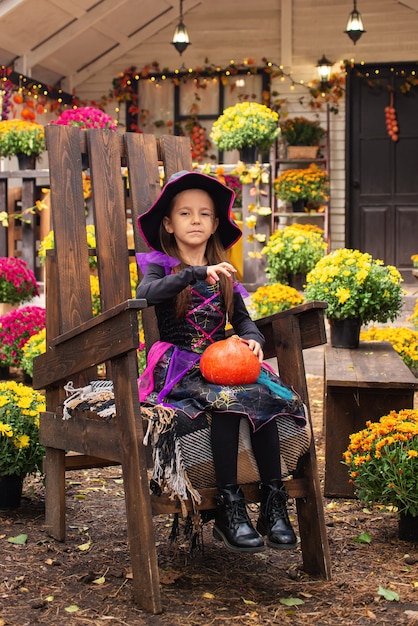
point(302, 152)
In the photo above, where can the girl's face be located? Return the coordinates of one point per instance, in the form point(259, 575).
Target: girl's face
point(192, 218)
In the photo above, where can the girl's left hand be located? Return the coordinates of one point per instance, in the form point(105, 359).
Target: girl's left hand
point(255, 347)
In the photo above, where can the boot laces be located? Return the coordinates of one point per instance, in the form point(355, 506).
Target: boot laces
point(237, 512)
point(276, 506)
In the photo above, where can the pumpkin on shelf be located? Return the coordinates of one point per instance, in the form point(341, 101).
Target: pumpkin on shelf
point(230, 362)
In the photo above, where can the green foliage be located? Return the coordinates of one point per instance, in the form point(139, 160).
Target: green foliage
point(34, 346)
point(383, 461)
point(269, 299)
point(310, 183)
point(21, 137)
point(299, 131)
point(353, 284)
point(295, 249)
point(17, 281)
point(20, 450)
point(246, 124)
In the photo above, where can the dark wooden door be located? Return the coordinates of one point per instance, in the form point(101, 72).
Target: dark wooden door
point(382, 175)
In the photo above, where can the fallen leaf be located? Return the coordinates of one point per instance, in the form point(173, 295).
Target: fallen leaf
point(19, 539)
point(209, 596)
point(85, 546)
point(387, 594)
point(169, 576)
point(248, 601)
point(73, 608)
point(99, 581)
point(291, 601)
point(363, 538)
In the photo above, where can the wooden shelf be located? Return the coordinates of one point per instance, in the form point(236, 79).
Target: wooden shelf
point(322, 160)
point(299, 214)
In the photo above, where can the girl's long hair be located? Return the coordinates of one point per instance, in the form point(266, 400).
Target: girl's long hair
point(215, 253)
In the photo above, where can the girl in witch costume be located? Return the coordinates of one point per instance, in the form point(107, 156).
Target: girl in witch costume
point(192, 286)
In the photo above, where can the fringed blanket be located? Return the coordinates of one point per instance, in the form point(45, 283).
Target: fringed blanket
point(181, 447)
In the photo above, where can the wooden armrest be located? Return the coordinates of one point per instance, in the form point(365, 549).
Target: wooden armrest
point(97, 320)
point(107, 336)
point(309, 320)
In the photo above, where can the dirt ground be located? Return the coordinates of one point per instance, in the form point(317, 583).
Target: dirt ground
point(87, 579)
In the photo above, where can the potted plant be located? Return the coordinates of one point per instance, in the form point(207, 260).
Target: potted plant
point(86, 117)
point(357, 288)
point(295, 250)
point(17, 282)
point(20, 450)
point(306, 185)
point(383, 464)
point(246, 125)
point(22, 139)
point(300, 131)
point(33, 347)
point(15, 329)
point(269, 299)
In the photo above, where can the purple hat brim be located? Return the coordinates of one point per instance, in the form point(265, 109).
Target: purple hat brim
point(223, 198)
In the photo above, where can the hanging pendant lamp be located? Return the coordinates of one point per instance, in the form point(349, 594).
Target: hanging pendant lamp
point(354, 25)
point(181, 36)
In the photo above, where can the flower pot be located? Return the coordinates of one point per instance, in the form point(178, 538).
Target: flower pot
point(297, 281)
point(27, 379)
point(345, 333)
point(26, 162)
point(6, 307)
point(299, 205)
point(248, 154)
point(302, 152)
point(10, 491)
point(408, 527)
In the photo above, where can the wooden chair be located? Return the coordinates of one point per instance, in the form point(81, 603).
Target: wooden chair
point(77, 343)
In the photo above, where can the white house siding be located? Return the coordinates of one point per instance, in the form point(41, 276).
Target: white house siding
point(238, 29)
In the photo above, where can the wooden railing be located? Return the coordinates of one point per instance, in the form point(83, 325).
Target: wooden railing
point(20, 237)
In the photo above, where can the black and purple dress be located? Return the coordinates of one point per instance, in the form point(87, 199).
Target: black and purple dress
point(172, 376)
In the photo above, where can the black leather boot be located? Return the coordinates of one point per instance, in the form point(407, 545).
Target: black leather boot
point(232, 524)
point(274, 519)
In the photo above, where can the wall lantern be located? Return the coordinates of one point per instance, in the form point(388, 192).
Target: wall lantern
point(355, 25)
point(324, 66)
point(181, 36)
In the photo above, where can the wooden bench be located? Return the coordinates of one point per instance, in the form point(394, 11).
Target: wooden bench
point(360, 385)
point(77, 343)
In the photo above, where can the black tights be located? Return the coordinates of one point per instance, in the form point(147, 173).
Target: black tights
point(224, 438)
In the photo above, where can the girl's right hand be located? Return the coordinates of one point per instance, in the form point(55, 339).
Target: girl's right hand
point(214, 271)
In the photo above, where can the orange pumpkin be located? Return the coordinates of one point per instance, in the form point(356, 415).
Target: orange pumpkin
point(229, 362)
